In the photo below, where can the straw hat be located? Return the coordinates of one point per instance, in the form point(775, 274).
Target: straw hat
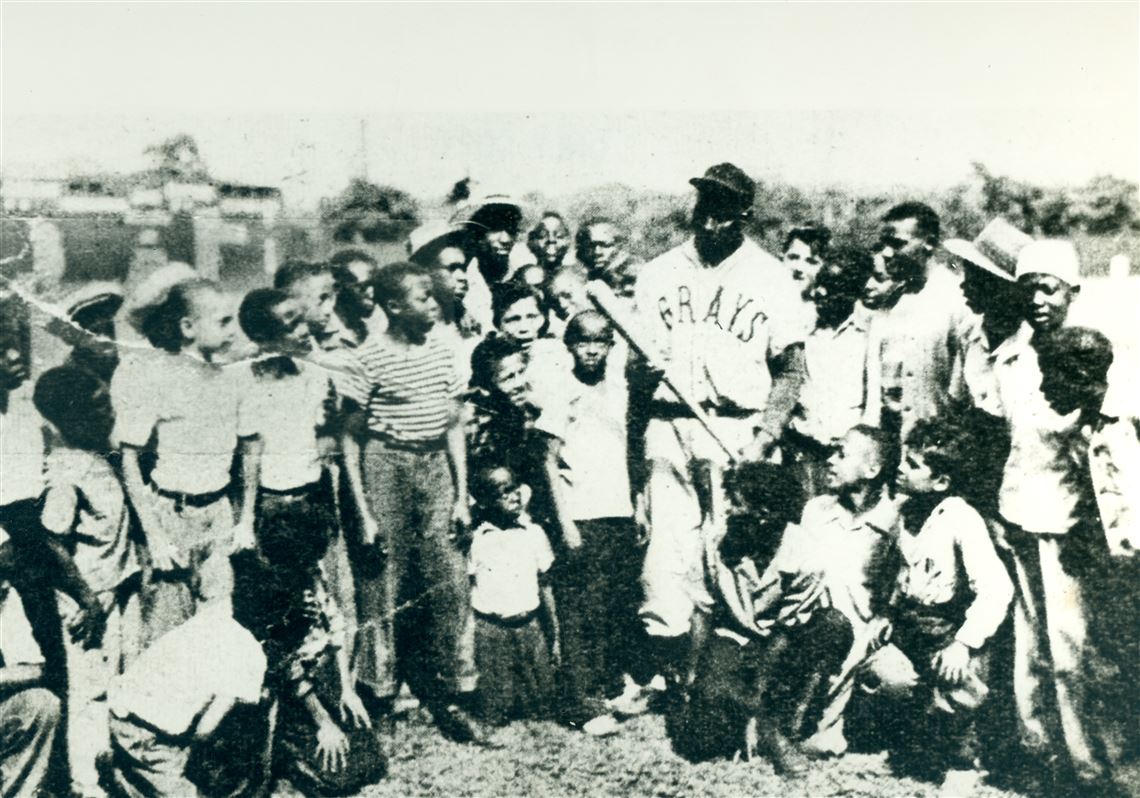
point(995, 250)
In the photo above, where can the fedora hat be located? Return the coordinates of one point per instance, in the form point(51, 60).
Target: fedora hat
point(1053, 257)
point(995, 250)
point(428, 240)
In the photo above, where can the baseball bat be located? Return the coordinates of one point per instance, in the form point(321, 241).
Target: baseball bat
point(606, 302)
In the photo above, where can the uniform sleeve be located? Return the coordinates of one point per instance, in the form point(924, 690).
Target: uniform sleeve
point(135, 406)
point(987, 577)
point(790, 317)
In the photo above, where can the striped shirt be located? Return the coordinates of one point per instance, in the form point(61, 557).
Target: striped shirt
point(406, 390)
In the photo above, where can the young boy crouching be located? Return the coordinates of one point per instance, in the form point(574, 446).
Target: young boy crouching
point(952, 594)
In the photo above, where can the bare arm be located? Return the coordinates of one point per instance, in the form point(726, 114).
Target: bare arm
point(457, 457)
point(571, 538)
point(550, 615)
point(249, 452)
point(354, 423)
point(209, 721)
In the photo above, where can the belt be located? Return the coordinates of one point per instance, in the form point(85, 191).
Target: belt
point(511, 621)
point(415, 447)
point(666, 410)
point(302, 490)
point(191, 499)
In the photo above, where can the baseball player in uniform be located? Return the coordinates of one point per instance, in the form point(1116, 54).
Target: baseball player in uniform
point(727, 319)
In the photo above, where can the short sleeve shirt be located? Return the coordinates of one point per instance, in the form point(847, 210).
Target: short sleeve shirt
point(506, 564)
point(718, 326)
point(191, 409)
point(21, 447)
point(593, 467)
point(286, 412)
point(83, 502)
point(171, 683)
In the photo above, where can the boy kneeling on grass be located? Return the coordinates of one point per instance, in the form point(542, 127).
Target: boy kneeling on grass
point(952, 594)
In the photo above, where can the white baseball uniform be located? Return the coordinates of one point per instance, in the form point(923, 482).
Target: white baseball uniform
point(716, 328)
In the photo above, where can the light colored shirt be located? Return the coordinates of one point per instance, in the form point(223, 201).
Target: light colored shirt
point(716, 327)
point(407, 391)
point(851, 553)
point(1114, 465)
point(84, 503)
point(951, 555)
point(833, 394)
point(975, 379)
point(192, 409)
point(593, 465)
point(1038, 491)
point(18, 644)
point(286, 412)
point(210, 656)
point(505, 565)
point(21, 447)
point(912, 348)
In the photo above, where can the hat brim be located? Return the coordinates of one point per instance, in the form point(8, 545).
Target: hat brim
point(968, 251)
point(715, 186)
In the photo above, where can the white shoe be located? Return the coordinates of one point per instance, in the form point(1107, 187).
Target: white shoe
point(601, 726)
point(635, 698)
point(960, 783)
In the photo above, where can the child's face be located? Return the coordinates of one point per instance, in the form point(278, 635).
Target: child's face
point(316, 297)
point(418, 310)
point(569, 295)
point(362, 271)
point(831, 294)
point(1067, 387)
point(881, 289)
point(915, 477)
point(295, 339)
point(454, 262)
point(522, 321)
point(855, 460)
point(211, 325)
point(804, 263)
point(13, 369)
point(1047, 300)
point(550, 242)
point(591, 352)
point(511, 378)
point(507, 492)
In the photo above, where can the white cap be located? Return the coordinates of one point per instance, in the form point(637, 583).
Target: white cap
point(1053, 257)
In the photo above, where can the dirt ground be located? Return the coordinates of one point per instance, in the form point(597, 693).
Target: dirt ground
point(543, 759)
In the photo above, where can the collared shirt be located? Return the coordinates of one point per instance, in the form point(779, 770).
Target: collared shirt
point(1039, 491)
point(833, 395)
point(852, 552)
point(286, 411)
point(716, 327)
point(952, 555)
point(407, 390)
point(84, 503)
point(975, 379)
point(191, 408)
point(911, 352)
point(173, 681)
point(505, 565)
point(21, 447)
point(1114, 464)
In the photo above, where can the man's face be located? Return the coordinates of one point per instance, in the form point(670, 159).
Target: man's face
point(417, 311)
point(569, 295)
point(454, 262)
point(718, 227)
point(602, 247)
point(984, 292)
point(550, 242)
point(295, 339)
point(211, 323)
point(803, 262)
point(882, 289)
point(902, 238)
point(1047, 300)
point(316, 297)
point(915, 477)
point(831, 295)
point(511, 378)
point(1067, 387)
point(496, 245)
point(522, 321)
point(853, 461)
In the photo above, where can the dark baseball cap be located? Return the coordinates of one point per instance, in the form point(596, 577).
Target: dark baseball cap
point(727, 178)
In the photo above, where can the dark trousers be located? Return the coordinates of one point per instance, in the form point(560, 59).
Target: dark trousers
point(516, 677)
point(597, 591)
point(777, 680)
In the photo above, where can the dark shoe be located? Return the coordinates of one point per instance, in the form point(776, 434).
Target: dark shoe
point(457, 726)
point(786, 757)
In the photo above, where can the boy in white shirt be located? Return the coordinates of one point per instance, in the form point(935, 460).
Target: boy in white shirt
point(952, 594)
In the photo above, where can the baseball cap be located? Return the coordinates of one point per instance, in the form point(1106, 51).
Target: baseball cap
point(995, 250)
point(94, 300)
point(727, 178)
point(1053, 257)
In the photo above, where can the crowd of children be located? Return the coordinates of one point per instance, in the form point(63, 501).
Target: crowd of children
point(862, 499)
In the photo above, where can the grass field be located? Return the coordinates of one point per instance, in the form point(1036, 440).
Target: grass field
point(543, 759)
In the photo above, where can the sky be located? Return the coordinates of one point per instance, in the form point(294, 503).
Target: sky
point(560, 97)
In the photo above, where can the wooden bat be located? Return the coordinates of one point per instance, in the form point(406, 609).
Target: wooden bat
point(607, 304)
